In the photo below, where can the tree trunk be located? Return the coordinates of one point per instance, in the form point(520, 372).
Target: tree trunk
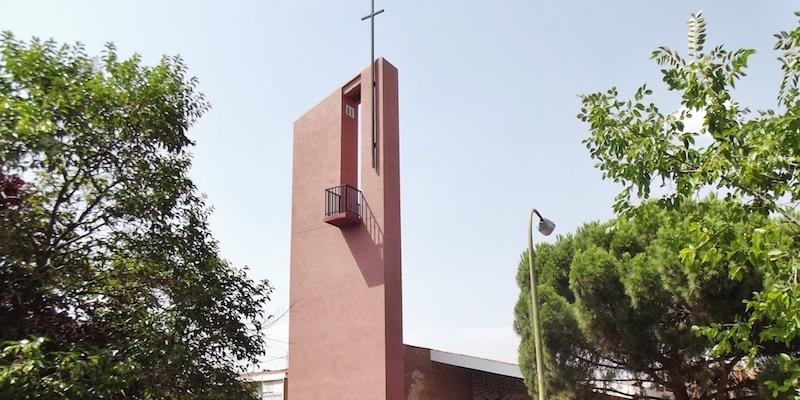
point(722, 381)
point(678, 390)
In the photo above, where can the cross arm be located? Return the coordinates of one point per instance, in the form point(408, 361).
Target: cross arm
point(364, 18)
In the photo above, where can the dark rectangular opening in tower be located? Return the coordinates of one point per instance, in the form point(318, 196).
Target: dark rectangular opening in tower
point(351, 134)
point(343, 203)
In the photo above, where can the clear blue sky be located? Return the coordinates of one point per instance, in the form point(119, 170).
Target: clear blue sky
point(488, 98)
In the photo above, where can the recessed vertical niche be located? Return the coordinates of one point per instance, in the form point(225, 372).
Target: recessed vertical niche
point(351, 134)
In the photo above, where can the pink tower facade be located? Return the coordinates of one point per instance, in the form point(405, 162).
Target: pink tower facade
point(346, 320)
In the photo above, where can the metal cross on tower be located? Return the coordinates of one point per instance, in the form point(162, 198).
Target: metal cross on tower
point(371, 18)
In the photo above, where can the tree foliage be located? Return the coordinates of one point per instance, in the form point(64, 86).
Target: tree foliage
point(111, 285)
point(619, 305)
point(752, 158)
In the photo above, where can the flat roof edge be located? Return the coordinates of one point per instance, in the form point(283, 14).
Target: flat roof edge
point(263, 376)
point(478, 364)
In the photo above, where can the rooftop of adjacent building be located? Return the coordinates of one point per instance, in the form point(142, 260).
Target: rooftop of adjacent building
point(265, 375)
point(442, 357)
point(469, 362)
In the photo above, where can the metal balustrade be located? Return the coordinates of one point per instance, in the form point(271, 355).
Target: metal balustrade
point(343, 205)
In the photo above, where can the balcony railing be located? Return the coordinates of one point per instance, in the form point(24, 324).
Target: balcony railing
point(343, 205)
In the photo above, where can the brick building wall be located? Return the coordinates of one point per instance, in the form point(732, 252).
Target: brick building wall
point(430, 380)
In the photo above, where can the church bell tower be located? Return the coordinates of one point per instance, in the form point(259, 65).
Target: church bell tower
point(346, 317)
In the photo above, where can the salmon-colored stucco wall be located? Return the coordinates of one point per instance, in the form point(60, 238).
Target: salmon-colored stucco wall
point(345, 323)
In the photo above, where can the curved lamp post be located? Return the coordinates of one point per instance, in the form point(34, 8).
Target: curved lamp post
point(545, 227)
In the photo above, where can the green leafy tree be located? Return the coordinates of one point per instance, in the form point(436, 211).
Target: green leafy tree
point(752, 158)
point(111, 286)
point(619, 305)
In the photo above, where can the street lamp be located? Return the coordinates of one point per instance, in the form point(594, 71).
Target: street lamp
point(546, 227)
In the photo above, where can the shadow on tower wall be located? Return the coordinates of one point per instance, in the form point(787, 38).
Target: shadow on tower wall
point(366, 245)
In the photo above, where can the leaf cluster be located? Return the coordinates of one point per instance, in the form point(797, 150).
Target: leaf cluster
point(111, 285)
point(750, 158)
point(622, 302)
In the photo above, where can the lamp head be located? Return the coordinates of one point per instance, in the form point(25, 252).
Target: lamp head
point(546, 226)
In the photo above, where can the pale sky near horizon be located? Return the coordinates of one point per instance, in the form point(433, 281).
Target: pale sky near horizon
point(488, 98)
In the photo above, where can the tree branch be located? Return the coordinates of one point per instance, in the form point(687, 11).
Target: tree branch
point(639, 395)
point(60, 199)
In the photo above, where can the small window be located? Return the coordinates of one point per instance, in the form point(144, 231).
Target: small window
point(350, 111)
